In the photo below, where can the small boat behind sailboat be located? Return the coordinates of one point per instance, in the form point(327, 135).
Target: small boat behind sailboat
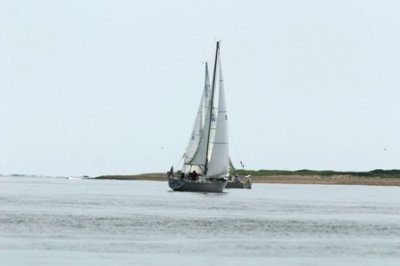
point(237, 182)
point(206, 160)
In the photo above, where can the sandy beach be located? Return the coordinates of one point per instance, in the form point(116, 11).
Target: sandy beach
point(283, 179)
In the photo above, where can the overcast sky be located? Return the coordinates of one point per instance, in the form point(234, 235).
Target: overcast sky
point(112, 87)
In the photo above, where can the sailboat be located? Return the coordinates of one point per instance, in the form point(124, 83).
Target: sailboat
point(206, 160)
point(236, 182)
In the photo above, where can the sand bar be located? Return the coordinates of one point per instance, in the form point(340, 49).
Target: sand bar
point(283, 179)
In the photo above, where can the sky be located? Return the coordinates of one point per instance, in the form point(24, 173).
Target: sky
point(112, 87)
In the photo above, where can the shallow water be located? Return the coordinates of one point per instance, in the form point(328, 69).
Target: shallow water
point(58, 221)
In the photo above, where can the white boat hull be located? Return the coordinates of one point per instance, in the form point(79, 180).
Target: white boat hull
point(195, 186)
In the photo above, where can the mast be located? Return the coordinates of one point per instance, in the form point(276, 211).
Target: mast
point(212, 104)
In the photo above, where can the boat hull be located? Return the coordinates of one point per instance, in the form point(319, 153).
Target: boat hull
point(194, 186)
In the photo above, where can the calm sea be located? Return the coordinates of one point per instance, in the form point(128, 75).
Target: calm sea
point(59, 221)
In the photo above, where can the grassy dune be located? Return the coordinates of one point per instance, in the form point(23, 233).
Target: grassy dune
point(150, 177)
point(378, 173)
point(375, 177)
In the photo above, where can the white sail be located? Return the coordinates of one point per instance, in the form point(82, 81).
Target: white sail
point(207, 94)
point(199, 122)
point(196, 134)
point(212, 130)
point(219, 161)
point(196, 152)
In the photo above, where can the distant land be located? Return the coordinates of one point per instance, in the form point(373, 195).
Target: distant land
point(378, 177)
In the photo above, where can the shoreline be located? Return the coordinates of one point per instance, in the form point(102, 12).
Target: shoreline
point(339, 179)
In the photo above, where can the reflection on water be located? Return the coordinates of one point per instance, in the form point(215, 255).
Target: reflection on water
point(60, 221)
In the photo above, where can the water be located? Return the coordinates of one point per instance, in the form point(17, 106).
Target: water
point(58, 221)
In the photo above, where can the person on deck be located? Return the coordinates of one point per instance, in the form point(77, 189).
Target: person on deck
point(194, 175)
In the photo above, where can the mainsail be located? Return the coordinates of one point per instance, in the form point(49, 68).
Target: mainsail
point(196, 153)
point(219, 161)
point(199, 122)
